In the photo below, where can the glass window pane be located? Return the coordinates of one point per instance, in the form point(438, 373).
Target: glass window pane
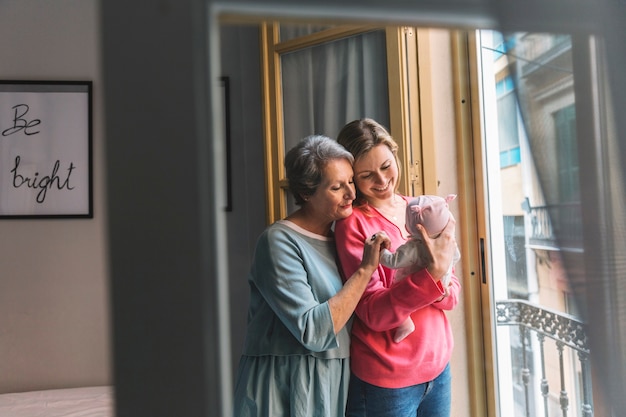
point(534, 207)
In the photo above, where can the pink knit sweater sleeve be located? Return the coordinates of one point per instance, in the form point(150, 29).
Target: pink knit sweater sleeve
point(384, 304)
point(454, 289)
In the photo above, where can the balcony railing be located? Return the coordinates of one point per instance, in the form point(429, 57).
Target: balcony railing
point(567, 333)
point(562, 221)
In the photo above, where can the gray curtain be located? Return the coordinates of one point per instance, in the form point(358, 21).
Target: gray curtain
point(328, 85)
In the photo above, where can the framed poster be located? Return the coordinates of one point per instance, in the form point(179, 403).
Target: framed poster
point(46, 149)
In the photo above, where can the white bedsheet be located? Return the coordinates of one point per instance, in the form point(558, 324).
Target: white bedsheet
point(74, 402)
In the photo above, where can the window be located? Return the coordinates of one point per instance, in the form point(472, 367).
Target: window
point(567, 162)
point(515, 251)
point(317, 78)
point(508, 123)
point(531, 179)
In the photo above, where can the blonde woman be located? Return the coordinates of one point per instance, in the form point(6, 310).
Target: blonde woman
point(411, 378)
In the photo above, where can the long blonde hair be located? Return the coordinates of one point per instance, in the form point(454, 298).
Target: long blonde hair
point(361, 136)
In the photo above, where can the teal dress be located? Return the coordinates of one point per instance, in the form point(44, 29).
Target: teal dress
point(293, 364)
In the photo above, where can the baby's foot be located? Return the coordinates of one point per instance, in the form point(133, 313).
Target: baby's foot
point(404, 330)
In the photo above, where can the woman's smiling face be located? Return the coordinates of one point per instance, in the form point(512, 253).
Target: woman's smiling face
point(376, 174)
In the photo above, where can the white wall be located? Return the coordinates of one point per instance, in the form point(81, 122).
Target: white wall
point(54, 318)
point(247, 219)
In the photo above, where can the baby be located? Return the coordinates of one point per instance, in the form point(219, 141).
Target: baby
point(432, 213)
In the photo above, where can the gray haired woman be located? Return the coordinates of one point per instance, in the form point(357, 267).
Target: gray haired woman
point(295, 355)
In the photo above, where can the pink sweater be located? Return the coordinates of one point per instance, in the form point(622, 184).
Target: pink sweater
point(374, 356)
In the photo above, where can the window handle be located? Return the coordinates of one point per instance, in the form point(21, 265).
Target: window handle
point(482, 260)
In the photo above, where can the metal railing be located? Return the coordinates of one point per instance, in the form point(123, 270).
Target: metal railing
point(567, 332)
point(562, 220)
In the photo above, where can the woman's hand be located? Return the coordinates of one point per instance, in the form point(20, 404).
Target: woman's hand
point(441, 249)
point(343, 303)
point(372, 247)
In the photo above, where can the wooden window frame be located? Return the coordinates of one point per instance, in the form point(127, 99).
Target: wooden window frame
point(417, 158)
point(412, 126)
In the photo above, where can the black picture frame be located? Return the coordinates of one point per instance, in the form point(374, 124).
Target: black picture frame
point(46, 149)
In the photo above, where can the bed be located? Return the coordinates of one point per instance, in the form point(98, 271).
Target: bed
point(71, 402)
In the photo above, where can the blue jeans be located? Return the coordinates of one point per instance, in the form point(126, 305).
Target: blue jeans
point(430, 399)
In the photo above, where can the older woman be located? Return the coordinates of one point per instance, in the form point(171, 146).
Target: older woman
point(295, 356)
point(412, 377)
